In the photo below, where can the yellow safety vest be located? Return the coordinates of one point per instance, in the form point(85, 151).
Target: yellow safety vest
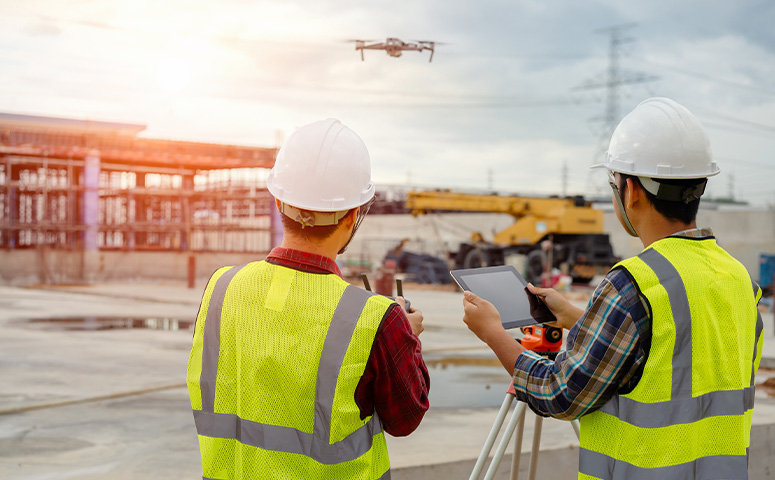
point(276, 357)
point(690, 414)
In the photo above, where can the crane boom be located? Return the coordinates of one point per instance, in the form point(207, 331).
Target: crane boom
point(535, 217)
point(575, 230)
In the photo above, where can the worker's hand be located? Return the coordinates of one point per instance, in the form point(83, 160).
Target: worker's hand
point(567, 314)
point(484, 320)
point(413, 315)
point(481, 316)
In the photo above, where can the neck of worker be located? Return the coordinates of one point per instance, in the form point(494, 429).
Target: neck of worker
point(324, 248)
point(327, 247)
point(652, 226)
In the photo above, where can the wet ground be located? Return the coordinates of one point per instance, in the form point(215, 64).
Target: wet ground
point(458, 381)
point(108, 323)
point(94, 388)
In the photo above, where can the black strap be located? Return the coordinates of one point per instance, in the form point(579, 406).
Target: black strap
point(681, 193)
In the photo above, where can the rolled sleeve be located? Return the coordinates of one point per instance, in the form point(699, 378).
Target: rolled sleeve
point(604, 355)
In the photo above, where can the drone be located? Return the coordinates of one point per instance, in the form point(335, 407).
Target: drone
point(395, 47)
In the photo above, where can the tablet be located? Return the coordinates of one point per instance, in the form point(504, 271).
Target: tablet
point(505, 288)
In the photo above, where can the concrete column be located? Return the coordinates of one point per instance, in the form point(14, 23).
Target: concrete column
point(141, 217)
point(90, 206)
point(186, 213)
point(14, 175)
point(131, 218)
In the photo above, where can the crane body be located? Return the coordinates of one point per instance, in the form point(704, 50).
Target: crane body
point(575, 231)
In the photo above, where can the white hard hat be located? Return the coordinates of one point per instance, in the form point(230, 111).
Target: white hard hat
point(322, 167)
point(660, 139)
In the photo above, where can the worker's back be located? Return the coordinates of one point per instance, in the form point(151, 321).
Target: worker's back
point(690, 413)
point(277, 356)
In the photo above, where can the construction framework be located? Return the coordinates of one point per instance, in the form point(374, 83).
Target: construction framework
point(93, 186)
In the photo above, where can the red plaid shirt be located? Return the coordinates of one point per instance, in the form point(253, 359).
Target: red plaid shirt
point(395, 383)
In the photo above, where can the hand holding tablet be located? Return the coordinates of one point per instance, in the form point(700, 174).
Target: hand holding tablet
point(507, 290)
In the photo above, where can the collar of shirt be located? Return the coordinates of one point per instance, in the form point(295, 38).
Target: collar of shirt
point(303, 261)
point(694, 233)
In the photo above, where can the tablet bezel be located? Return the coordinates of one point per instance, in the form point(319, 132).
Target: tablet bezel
point(510, 322)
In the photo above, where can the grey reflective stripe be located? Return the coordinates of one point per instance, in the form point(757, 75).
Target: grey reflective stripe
point(759, 329)
point(285, 439)
point(334, 347)
point(720, 466)
point(211, 343)
point(686, 410)
point(670, 279)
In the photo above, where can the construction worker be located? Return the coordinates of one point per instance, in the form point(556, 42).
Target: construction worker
point(294, 373)
point(660, 366)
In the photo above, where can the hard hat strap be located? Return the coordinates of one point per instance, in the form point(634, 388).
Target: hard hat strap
point(308, 218)
point(618, 194)
point(362, 211)
point(674, 193)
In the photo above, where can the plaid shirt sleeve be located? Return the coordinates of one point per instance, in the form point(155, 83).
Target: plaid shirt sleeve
point(604, 355)
point(396, 382)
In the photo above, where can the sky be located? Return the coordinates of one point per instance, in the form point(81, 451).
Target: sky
point(513, 101)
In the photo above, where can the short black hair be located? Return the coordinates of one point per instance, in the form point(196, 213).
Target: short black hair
point(315, 233)
point(680, 211)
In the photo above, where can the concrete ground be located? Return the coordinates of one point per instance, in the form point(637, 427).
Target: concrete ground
point(84, 402)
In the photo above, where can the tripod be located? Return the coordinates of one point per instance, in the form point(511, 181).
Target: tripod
point(517, 422)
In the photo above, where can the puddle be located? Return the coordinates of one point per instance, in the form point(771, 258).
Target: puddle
point(467, 382)
point(112, 323)
point(456, 381)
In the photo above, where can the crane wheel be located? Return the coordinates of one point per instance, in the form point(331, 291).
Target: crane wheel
point(535, 267)
point(474, 259)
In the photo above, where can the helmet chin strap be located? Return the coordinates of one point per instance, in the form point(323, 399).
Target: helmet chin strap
point(362, 211)
point(625, 218)
point(347, 244)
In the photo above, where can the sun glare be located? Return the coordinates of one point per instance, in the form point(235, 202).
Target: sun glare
point(174, 74)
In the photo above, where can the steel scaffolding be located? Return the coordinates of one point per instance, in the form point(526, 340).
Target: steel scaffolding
point(69, 184)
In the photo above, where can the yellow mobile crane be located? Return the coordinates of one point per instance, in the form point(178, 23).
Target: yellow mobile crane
point(573, 228)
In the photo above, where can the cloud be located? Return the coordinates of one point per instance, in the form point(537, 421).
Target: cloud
point(501, 94)
point(43, 27)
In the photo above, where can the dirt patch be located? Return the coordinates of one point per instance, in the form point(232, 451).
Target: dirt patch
point(768, 385)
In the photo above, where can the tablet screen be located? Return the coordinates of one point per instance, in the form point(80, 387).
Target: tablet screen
point(502, 286)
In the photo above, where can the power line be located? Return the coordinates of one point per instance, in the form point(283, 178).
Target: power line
point(727, 128)
point(707, 77)
point(744, 162)
point(761, 126)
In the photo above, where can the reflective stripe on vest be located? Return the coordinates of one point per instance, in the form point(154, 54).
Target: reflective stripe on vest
point(721, 466)
point(682, 408)
point(279, 438)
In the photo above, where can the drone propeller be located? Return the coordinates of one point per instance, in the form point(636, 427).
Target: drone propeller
point(429, 44)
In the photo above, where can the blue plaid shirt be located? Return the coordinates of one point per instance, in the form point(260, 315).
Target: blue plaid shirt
point(605, 352)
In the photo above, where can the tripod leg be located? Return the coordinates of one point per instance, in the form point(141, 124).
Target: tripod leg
point(496, 459)
point(576, 428)
point(496, 426)
point(531, 475)
point(518, 447)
